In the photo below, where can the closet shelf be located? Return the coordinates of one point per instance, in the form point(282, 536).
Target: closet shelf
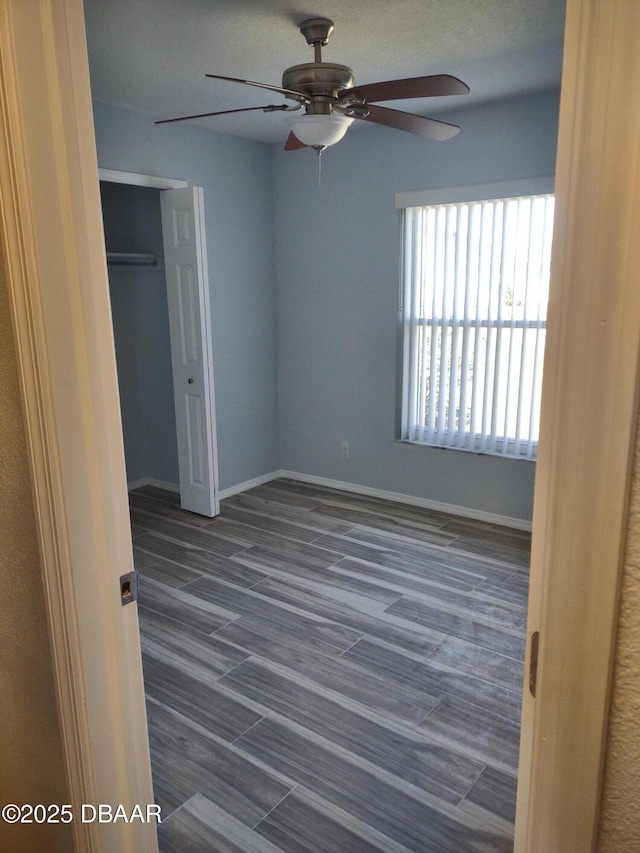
point(132, 259)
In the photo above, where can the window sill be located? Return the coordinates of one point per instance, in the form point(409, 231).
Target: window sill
point(406, 442)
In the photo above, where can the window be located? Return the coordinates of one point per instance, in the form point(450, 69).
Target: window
point(474, 305)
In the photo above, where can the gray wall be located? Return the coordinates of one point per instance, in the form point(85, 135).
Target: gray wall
point(236, 177)
point(337, 273)
point(132, 223)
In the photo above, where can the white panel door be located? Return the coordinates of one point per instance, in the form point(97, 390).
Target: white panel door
point(190, 328)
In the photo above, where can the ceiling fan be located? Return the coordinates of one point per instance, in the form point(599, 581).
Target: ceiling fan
point(331, 101)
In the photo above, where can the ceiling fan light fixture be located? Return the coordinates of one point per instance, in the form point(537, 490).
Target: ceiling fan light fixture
point(320, 131)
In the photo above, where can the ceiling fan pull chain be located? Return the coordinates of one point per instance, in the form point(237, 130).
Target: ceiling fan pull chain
point(319, 150)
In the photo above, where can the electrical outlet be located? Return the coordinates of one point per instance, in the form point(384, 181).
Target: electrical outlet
point(344, 449)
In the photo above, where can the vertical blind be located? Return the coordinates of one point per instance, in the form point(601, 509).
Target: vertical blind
point(475, 293)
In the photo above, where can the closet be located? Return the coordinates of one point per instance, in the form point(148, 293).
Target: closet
point(134, 245)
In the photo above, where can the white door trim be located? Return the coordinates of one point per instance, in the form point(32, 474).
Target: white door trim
point(588, 430)
point(135, 179)
point(53, 246)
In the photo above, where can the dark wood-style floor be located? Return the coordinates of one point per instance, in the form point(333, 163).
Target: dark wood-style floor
point(330, 672)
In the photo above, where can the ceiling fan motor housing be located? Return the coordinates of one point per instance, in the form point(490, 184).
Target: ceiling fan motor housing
point(318, 78)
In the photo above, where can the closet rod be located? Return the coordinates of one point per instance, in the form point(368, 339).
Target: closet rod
point(131, 259)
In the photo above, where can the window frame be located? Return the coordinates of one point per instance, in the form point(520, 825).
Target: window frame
point(521, 187)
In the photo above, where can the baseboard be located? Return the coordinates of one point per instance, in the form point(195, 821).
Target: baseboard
point(222, 494)
point(449, 509)
point(151, 481)
point(249, 484)
point(399, 497)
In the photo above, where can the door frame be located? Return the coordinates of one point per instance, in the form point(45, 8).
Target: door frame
point(51, 228)
point(161, 183)
point(135, 179)
point(588, 431)
point(55, 271)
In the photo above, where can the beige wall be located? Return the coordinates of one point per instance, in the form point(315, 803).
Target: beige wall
point(31, 768)
point(620, 821)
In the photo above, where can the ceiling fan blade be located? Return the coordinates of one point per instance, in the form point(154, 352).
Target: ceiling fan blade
point(269, 108)
point(288, 93)
point(412, 87)
point(427, 127)
point(293, 143)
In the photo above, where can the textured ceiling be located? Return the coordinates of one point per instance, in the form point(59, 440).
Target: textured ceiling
point(152, 55)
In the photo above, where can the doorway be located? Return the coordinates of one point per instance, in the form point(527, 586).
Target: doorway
point(140, 316)
point(64, 282)
point(156, 249)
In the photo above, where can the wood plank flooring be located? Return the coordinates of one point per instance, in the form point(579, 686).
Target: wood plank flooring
point(329, 672)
